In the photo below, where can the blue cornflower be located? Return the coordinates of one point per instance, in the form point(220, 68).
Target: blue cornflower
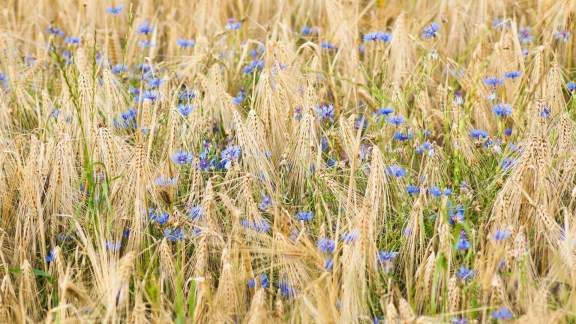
point(503, 313)
point(305, 216)
point(119, 68)
point(402, 136)
point(55, 31)
point(430, 31)
point(350, 236)
point(72, 40)
point(328, 264)
point(386, 256)
point(186, 95)
point(512, 74)
point(145, 44)
point(325, 112)
point(158, 216)
point(229, 155)
point(185, 42)
point(435, 191)
point(425, 147)
point(306, 30)
point(396, 171)
point(286, 290)
point(465, 273)
point(252, 283)
point(113, 246)
point(395, 120)
point(507, 164)
point(264, 281)
point(162, 181)
point(360, 122)
point(458, 320)
point(571, 86)
point(524, 35)
point(182, 158)
point(463, 243)
point(114, 10)
point(501, 23)
point(51, 255)
point(265, 203)
point(232, 24)
point(508, 131)
point(562, 35)
point(185, 110)
point(196, 212)
point(545, 112)
point(261, 225)
point(239, 98)
point(412, 190)
point(458, 98)
point(255, 65)
point(126, 233)
point(173, 234)
point(327, 45)
point(447, 192)
point(145, 28)
point(377, 36)
point(326, 245)
point(297, 113)
point(501, 235)
point(478, 133)
point(493, 81)
point(455, 214)
point(502, 109)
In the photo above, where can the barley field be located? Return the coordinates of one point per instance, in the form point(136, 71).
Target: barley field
point(287, 161)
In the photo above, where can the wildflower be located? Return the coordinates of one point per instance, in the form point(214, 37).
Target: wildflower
point(425, 147)
point(145, 28)
point(524, 35)
point(265, 203)
point(71, 40)
point(173, 234)
point(412, 190)
point(229, 155)
point(145, 44)
point(459, 320)
point(384, 111)
point(232, 24)
point(162, 181)
point(478, 133)
point(364, 151)
point(185, 43)
point(306, 30)
point(463, 243)
point(562, 35)
point(325, 112)
point(255, 65)
point(493, 81)
point(386, 259)
point(458, 98)
point(158, 216)
point(545, 112)
point(328, 264)
point(297, 113)
point(507, 164)
point(435, 191)
point(113, 246)
point(305, 216)
point(186, 95)
point(501, 235)
point(51, 255)
point(455, 214)
point(500, 23)
point(239, 98)
point(119, 68)
point(512, 75)
point(55, 31)
point(114, 10)
point(430, 31)
point(508, 131)
point(396, 171)
point(360, 122)
point(395, 120)
point(350, 236)
point(447, 192)
point(126, 233)
point(401, 136)
point(185, 110)
point(326, 245)
point(261, 226)
point(286, 290)
point(465, 273)
point(503, 313)
point(571, 86)
point(196, 212)
point(182, 158)
point(502, 109)
point(264, 281)
point(377, 36)
point(327, 45)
